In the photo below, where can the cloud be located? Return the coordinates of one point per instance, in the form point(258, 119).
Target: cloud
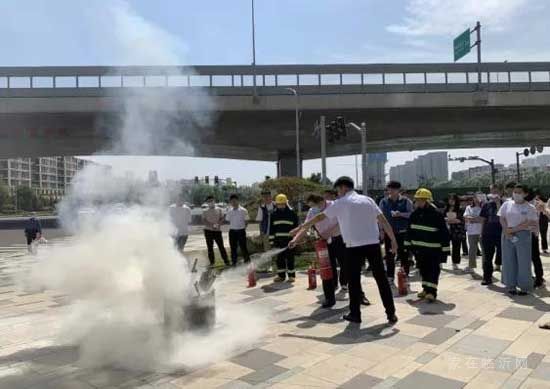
point(447, 17)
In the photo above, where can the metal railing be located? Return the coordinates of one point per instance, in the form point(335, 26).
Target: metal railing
point(308, 78)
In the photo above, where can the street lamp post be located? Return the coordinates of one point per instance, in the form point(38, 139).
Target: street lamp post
point(518, 168)
point(255, 92)
point(491, 163)
point(297, 126)
point(363, 132)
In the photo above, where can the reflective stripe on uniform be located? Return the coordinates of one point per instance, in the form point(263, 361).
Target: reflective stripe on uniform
point(279, 222)
point(446, 249)
point(423, 228)
point(282, 234)
point(426, 244)
point(407, 243)
point(429, 284)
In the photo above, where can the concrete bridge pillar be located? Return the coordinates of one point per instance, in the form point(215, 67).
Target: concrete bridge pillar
point(286, 165)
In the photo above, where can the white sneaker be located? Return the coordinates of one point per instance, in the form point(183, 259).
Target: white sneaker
point(455, 266)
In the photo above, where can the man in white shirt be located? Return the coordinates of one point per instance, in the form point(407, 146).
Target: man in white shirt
point(237, 217)
point(358, 217)
point(180, 215)
point(265, 210)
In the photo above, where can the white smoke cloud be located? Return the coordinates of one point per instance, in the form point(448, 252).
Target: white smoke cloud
point(121, 271)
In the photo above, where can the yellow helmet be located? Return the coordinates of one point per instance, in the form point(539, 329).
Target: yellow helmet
point(423, 194)
point(281, 199)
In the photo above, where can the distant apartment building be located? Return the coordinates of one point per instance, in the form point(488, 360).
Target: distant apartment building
point(539, 161)
point(429, 168)
point(376, 170)
point(475, 171)
point(48, 176)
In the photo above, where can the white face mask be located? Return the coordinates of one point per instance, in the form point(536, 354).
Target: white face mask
point(518, 197)
point(211, 205)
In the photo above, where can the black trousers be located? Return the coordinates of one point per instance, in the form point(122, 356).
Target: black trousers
point(337, 249)
point(180, 242)
point(465, 245)
point(285, 263)
point(211, 237)
point(428, 262)
point(535, 256)
point(455, 253)
point(491, 245)
point(402, 254)
point(355, 257)
point(543, 224)
point(237, 239)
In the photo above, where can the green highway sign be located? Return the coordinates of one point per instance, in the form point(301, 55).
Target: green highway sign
point(461, 45)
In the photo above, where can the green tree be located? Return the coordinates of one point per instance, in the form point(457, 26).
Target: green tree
point(25, 198)
point(4, 196)
point(295, 188)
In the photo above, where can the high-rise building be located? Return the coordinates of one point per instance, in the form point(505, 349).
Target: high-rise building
point(376, 170)
point(49, 176)
point(426, 169)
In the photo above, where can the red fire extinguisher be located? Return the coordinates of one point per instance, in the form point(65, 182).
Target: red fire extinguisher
point(251, 275)
point(311, 277)
point(402, 282)
point(325, 268)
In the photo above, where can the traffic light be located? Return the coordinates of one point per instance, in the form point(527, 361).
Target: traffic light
point(341, 126)
point(216, 181)
point(337, 129)
point(206, 180)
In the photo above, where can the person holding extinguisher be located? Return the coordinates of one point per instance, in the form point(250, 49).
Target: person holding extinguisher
point(328, 230)
point(359, 218)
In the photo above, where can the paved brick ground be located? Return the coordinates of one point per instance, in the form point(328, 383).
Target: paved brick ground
point(473, 338)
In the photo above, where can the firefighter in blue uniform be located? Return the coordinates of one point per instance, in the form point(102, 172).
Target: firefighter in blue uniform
point(283, 220)
point(428, 237)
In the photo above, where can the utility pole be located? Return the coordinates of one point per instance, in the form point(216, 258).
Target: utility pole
point(323, 130)
point(518, 168)
point(297, 127)
point(363, 132)
point(255, 92)
point(477, 29)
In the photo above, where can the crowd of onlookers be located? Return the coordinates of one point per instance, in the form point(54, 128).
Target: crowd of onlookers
point(507, 227)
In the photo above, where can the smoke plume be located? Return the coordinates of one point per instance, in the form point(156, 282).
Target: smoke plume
point(121, 268)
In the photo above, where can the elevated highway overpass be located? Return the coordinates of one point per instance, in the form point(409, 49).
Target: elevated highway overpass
point(219, 111)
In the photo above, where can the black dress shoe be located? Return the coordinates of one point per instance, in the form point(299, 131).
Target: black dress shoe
point(328, 304)
point(351, 319)
point(365, 301)
point(486, 283)
point(392, 319)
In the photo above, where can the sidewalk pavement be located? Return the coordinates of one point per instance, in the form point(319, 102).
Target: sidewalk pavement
point(474, 337)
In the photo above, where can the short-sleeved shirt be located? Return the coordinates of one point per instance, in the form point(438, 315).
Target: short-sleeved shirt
point(515, 214)
point(181, 218)
point(472, 228)
point(491, 226)
point(357, 216)
point(327, 228)
point(237, 218)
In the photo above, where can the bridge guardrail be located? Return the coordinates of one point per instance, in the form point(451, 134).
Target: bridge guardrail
point(355, 78)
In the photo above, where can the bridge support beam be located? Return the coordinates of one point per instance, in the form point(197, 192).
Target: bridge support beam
point(286, 165)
